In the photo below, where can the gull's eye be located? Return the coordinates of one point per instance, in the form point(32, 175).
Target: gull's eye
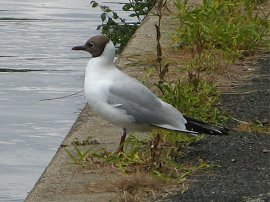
point(91, 45)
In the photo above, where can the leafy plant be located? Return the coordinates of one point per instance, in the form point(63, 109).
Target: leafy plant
point(154, 156)
point(117, 28)
point(80, 157)
point(228, 25)
point(198, 99)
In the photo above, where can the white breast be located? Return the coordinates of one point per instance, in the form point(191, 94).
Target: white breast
point(96, 87)
point(96, 84)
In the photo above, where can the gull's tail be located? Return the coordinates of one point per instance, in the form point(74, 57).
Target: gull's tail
point(201, 127)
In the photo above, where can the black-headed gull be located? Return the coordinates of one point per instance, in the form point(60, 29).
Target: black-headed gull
point(126, 102)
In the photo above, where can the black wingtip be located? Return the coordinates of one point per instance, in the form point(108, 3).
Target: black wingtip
point(202, 127)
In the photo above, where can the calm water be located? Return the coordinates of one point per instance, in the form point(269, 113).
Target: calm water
point(36, 63)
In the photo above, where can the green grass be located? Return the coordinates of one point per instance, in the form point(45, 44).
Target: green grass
point(78, 156)
point(216, 32)
point(232, 26)
point(155, 156)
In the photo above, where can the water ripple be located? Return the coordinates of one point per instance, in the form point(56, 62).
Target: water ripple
point(22, 19)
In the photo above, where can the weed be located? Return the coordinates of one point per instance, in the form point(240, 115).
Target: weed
point(87, 141)
point(155, 156)
point(196, 98)
point(230, 26)
point(116, 27)
point(80, 157)
point(162, 70)
point(135, 187)
point(256, 127)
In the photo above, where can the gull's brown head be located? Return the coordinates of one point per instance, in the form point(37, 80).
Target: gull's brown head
point(95, 45)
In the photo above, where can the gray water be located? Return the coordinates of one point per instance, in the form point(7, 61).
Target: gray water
point(36, 63)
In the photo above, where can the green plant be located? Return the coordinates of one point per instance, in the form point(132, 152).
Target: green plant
point(155, 156)
point(117, 28)
point(196, 98)
point(88, 141)
point(134, 157)
point(80, 157)
point(228, 25)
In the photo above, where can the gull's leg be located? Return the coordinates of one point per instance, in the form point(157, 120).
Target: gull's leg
point(120, 148)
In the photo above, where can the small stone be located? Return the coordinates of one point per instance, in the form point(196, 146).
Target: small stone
point(266, 151)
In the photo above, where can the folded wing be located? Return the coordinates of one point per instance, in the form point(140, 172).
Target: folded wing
point(139, 102)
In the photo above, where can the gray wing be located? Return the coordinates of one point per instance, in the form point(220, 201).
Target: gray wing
point(140, 103)
point(136, 99)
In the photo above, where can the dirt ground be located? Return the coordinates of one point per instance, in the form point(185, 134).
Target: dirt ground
point(243, 158)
